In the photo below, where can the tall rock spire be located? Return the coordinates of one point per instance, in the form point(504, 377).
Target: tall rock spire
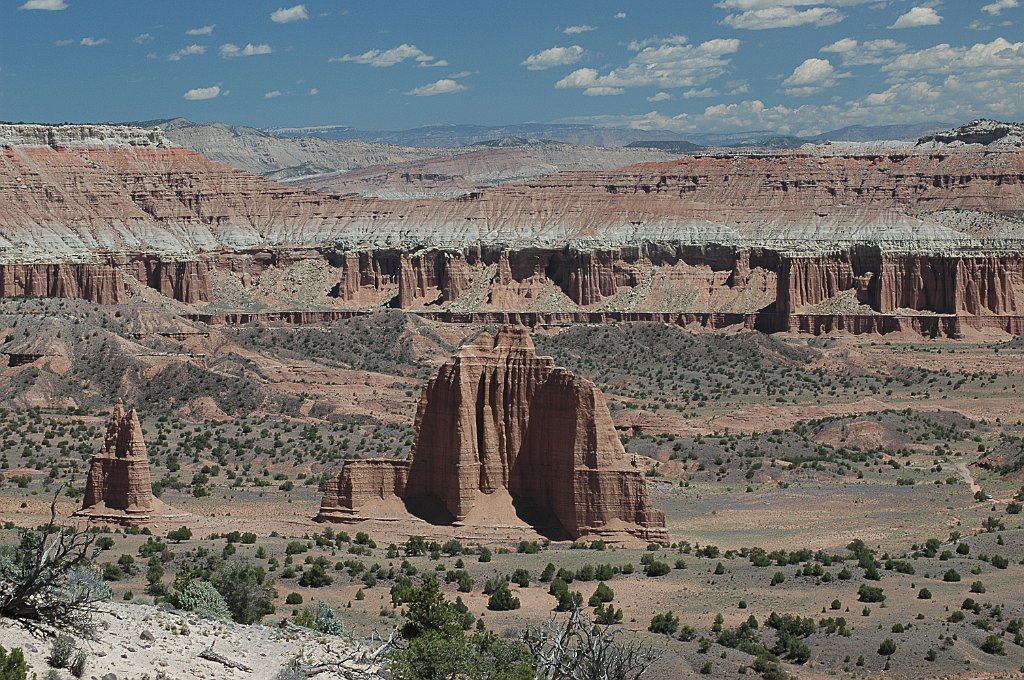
point(118, 487)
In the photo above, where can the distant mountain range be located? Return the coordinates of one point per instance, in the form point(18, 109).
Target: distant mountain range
point(591, 135)
point(467, 135)
point(526, 134)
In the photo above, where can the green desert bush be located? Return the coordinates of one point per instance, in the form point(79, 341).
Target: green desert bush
point(246, 590)
point(12, 664)
point(665, 624)
point(320, 618)
point(502, 599)
point(868, 593)
point(201, 598)
point(62, 649)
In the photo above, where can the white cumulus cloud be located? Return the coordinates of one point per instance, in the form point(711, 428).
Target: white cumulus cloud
point(856, 53)
point(142, 38)
point(783, 17)
point(659, 97)
point(765, 4)
point(443, 86)
point(553, 56)
point(200, 93)
point(578, 28)
point(395, 55)
point(202, 30)
point(90, 41)
point(997, 7)
point(659, 62)
point(703, 92)
point(285, 15)
point(188, 51)
point(229, 51)
point(918, 16)
point(272, 94)
point(51, 5)
point(809, 77)
point(999, 58)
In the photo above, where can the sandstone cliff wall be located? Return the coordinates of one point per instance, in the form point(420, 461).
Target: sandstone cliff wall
point(106, 282)
point(361, 486)
point(91, 209)
point(704, 278)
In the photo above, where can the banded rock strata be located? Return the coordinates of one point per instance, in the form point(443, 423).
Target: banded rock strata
point(903, 232)
point(498, 422)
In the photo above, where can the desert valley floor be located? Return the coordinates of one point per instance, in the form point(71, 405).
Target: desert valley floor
point(770, 456)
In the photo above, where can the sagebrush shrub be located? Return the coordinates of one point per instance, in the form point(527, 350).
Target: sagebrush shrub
point(200, 597)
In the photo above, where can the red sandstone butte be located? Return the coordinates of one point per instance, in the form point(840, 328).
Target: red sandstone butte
point(501, 430)
point(118, 489)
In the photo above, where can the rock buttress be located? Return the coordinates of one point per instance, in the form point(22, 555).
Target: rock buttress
point(573, 464)
point(364, 486)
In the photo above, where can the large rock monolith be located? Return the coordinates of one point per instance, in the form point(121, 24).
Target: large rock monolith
point(500, 429)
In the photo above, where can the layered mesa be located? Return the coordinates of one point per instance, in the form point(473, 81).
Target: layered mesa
point(805, 240)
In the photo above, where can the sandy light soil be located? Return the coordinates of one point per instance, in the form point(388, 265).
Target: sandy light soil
point(124, 648)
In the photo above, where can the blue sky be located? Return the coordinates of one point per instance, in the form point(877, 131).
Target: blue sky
point(796, 66)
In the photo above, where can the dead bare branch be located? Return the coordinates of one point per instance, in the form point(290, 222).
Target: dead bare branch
point(216, 657)
point(576, 649)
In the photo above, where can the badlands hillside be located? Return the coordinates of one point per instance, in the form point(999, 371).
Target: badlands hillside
point(863, 237)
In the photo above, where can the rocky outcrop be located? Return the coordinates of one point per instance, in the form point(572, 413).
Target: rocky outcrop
point(118, 488)
point(57, 136)
point(984, 284)
point(107, 282)
point(365, 487)
point(983, 131)
point(100, 283)
point(187, 281)
point(497, 421)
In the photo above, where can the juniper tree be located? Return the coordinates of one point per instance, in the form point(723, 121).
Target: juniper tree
point(47, 580)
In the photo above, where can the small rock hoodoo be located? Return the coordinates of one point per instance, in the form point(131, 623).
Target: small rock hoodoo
point(500, 428)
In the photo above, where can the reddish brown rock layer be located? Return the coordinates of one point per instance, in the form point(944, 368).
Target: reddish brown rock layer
point(88, 221)
point(364, 486)
point(498, 420)
point(106, 282)
point(118, 487)
point(171, 200)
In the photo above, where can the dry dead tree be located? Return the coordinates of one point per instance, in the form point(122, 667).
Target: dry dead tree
point(577, 649)
point(46, 581)
point(359, 663)
point(217, 657)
